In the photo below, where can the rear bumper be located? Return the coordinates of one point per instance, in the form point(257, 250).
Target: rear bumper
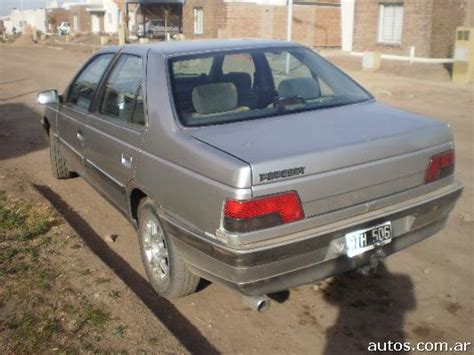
point(315, 256)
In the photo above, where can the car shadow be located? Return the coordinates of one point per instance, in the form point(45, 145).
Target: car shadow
point(189, 336)
point(371, 309)
point(20, 131)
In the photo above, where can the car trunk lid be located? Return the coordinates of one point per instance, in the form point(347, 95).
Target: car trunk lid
point(334, 157)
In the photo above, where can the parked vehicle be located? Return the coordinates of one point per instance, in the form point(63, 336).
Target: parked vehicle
point(158, 29)
point(64, 29)
point(253, 163)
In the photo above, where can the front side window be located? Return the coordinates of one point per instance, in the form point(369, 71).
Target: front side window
point(198, 21)
point(122, 98)
point(390, 23)
point(257, 83)
point(83, 89)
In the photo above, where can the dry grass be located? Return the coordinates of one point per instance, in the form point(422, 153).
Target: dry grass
point(39, 310)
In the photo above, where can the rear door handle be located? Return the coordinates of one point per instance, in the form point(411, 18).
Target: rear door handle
point(80, 135)
point(126, 160)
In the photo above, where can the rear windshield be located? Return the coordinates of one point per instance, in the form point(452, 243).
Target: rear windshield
point(224, 87)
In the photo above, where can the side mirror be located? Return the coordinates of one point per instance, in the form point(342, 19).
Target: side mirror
point(48, 97)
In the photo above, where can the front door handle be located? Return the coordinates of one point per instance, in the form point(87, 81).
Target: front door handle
point(80, 135)
point(126, 161)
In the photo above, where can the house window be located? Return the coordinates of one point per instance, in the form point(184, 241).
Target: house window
point(390, 23)
point(198, 21)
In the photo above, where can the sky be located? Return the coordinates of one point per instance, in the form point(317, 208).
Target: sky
point(7, 5)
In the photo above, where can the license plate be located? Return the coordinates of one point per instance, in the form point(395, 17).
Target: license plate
point(360, 241)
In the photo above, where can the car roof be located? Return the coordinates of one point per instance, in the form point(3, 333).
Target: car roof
point(174, 48)
point(171, 48)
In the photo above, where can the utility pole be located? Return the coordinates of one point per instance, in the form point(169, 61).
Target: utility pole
point(289, 26)
point(290, 20)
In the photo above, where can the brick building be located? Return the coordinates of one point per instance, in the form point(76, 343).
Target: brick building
point(54, 17)
point(80, 19)
point(315, 23)
point(96, 16)
point(393, 26)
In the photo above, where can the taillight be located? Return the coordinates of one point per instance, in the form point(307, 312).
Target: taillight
point(262, 212)
point(441, 165)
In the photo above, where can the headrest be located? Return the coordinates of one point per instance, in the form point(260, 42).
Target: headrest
point(243, 81)
point(307, 88)
point(214, 98)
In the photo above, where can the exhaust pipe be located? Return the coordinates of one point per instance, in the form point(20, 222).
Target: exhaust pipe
point(259, 303)
point(375, 259)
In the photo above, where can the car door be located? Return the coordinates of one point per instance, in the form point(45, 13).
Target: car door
point(72, 114)
point(115, 128)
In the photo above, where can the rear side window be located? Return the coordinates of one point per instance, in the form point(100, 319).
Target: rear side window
point(83, 89)
point(193, 67)
point(122, 97)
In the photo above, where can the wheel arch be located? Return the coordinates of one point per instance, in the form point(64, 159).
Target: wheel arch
point(136, 195)
point(45, 125)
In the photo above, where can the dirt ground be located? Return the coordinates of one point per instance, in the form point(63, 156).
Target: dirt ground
point(55, 297)
point(425, 293)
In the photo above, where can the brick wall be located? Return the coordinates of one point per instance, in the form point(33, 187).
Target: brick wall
point(313, 25)
point(427, 24)
point(249, 20)
point(55, 17)
point(469, 15)
point(416, 30)
point(213, 12)
point(328, 27)
point(83, 17)
point(447, 16)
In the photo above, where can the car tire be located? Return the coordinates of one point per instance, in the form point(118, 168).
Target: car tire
point(58, 163)
point(167, 272)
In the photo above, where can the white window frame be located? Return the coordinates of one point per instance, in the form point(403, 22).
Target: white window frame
point(198, 21)
point(380, 37)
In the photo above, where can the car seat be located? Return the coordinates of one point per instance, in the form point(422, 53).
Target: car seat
point(216, 98)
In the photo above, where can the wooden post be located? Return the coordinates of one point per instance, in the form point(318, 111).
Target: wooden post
point(122, 34)
point(104, 40)
point(371, 61)
point(35, 34)
point(463, 67)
